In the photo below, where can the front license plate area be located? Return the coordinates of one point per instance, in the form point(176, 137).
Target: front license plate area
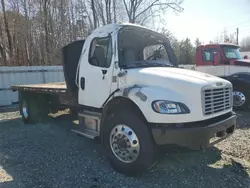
point(217, 137)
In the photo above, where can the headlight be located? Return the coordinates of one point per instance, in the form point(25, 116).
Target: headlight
point(169, 107)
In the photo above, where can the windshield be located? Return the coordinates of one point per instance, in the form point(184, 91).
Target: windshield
point(152, 56)
point(143, 49)
point(155, 52)
point(231, 52)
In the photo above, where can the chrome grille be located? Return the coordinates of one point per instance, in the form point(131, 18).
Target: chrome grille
point(216, 99)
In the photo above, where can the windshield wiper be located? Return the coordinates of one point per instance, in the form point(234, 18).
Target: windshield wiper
point(161, 64)
point(145, 64)
point(151, 64)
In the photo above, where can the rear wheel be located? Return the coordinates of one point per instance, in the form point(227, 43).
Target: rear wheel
point(32, 108)
point(128, 143)
point(24, 109)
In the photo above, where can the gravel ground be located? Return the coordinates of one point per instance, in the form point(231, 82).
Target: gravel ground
point(50, 155)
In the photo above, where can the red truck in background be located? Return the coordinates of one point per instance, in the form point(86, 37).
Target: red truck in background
point(225, 61)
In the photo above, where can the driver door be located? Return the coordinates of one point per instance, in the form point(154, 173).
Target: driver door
point(207, 63)
point(96, 69)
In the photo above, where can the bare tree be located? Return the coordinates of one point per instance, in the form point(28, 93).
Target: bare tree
point(32, 31)
point(197, 42)
point(45, 4)
point(114, 10)
point(103, 9)
point(93, 8)
point(108, 10)
point(2, 49)
point(100, 11)
point(7, 28)
point(137, 8)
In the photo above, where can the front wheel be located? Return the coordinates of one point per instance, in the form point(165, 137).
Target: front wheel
point(128, 143)
point(240, 99)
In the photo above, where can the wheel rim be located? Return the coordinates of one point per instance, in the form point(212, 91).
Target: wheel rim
point(124, 143)
point(25, 109)
point(239, 99)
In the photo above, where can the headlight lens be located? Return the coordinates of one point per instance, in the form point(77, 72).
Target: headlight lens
point(169, 107)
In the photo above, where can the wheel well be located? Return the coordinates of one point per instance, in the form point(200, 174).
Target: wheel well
point(121, 102)
point(239, 84)
point(114, 105)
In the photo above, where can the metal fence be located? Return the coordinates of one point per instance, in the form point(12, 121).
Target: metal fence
point(25, 75)
point(32, 75)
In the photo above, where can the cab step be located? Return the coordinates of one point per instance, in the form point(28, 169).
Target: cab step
point(87, 133)
point(89, 124)
point(94, 115)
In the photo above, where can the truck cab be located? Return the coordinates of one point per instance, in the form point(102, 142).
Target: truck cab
point(225, 61)
point(124, 82)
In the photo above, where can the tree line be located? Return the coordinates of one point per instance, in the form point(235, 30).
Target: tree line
point(33, 31)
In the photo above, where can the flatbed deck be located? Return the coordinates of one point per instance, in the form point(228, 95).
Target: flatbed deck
point(55, 87)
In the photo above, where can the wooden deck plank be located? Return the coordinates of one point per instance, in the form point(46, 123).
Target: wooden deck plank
point(47, 87)
point(55, 85)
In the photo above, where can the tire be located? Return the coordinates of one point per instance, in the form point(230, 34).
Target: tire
point(146, 152)
point(32, 108)
point(242, 98)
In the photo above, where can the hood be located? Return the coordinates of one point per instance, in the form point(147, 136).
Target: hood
point(242, 62)
point(169, 73)
point(172, 78)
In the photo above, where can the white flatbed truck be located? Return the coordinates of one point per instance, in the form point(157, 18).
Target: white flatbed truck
point(125, 85)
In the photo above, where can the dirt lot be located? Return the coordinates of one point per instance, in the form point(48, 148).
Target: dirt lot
point(50, 155)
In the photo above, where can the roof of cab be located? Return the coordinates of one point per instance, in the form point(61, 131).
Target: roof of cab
point(116, 26)
point(218, 44)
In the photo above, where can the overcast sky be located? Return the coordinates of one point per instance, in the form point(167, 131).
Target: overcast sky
point(205, 18)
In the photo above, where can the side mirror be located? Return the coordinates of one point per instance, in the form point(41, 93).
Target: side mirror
point(216, 58)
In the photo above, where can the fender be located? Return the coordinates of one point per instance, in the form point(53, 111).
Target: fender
point(240, 79)
point(143, 96)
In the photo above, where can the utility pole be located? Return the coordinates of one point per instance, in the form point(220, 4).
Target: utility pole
point(237, 35)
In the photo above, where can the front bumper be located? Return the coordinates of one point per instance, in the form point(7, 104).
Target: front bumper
point(195, 135)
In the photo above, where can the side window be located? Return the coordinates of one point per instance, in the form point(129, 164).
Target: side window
point(208, 55)
point(100, 54)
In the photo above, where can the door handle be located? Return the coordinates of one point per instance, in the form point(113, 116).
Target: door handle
point(82, 83)
point(103, 73)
